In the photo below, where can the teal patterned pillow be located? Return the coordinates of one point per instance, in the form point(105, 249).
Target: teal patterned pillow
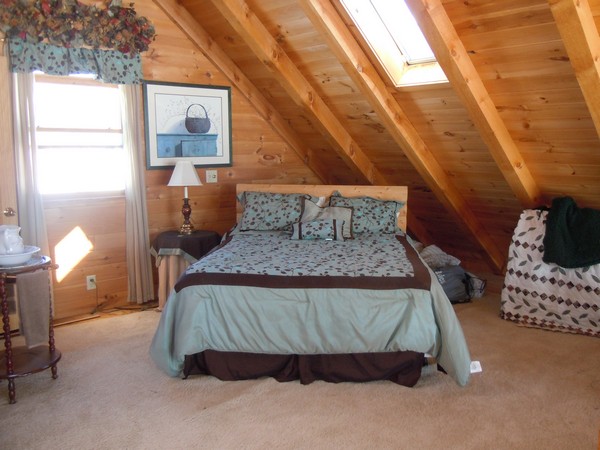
point(266, 211)
point(328, 229)
point(370, 215)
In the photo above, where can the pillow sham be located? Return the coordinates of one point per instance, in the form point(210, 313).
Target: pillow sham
point(312, 211)
point(268, 211)
point(327, 229)
point(370, 215)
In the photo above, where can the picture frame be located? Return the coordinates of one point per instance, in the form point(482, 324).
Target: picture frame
point(187, 122)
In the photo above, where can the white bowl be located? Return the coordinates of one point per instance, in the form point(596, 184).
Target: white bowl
point(16, 259)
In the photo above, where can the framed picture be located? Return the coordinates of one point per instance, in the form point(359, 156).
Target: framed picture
point(186, 121)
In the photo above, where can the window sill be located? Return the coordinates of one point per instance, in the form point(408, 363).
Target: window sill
point(81, 196)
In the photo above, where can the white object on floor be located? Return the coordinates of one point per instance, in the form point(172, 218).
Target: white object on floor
point(476, 367)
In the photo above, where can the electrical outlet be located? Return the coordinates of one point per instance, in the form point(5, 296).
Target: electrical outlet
point(211, 176)
point(91, 282)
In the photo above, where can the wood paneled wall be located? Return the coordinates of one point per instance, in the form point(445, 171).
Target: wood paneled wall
point(259, 155)
point(101, 221)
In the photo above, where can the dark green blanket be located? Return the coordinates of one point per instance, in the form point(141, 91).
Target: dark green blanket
point(572, 236)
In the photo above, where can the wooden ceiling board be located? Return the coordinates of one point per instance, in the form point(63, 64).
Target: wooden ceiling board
point(535, 99)
point(557, 150)
point(486, 16)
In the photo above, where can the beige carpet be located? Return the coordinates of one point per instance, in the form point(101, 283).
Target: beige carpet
point(538, 390)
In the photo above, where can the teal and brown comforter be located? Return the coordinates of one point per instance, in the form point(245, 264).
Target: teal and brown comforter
point(266, 293)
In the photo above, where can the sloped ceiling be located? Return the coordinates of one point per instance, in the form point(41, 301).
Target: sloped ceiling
point(516, 125)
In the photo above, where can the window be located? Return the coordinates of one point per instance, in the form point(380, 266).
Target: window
point(393, 34)
point(79, 135)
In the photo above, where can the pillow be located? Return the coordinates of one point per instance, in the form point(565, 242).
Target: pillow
point(312, 211)
point(329, 229)
point(268, 211)
point(436, 258)
point(370, 215)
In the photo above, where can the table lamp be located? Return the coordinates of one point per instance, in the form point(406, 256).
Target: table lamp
point(185, 175)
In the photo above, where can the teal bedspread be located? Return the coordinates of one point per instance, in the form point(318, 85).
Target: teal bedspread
point(265, 293)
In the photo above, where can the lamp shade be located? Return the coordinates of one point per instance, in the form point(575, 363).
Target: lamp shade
point(184, 175)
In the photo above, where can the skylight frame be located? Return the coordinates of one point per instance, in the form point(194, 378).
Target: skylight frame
point(375, 20)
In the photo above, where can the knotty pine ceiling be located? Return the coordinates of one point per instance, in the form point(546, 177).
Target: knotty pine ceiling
point(516, 125)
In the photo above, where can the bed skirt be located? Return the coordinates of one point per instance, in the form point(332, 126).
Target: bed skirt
point(403, 368)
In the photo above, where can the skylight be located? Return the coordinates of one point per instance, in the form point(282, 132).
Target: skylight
point(393, 34)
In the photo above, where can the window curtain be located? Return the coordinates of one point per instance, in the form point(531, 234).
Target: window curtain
point(109, 66)
point(139, 265)
point(31, 209)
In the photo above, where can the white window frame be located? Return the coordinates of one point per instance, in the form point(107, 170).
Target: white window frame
point(45, 146)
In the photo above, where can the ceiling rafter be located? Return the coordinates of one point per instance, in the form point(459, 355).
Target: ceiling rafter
point(464, 78)
point(326, 19)
point(577, 28)
point(209, 48)
point(272, 55)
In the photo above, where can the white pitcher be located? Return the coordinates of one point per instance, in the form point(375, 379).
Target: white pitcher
point(10, 240)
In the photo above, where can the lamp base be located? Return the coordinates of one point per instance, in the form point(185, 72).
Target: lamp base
point(186, 228)
point(186, 210)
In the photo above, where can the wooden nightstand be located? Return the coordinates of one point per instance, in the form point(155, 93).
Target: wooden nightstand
point(174, 252)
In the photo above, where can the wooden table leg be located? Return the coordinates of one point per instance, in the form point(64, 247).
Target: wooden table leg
point(12, 395)
point(7, 340)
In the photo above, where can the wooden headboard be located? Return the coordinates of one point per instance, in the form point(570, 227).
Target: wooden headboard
point(397, 193)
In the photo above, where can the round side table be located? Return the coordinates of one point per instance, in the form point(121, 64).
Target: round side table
point(21, 361)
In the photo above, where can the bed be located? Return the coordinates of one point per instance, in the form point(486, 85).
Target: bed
point(314, 283)
point(546, 295)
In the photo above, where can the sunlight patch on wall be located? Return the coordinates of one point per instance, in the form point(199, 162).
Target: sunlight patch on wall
point(70, 251)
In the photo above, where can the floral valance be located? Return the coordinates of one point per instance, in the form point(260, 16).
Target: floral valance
point(68, 23)
point(78, 35)
point(109, 66)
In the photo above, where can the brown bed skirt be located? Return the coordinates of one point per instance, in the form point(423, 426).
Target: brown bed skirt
point(403, 368)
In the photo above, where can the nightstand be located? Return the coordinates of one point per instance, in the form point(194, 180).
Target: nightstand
point(174, 252)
